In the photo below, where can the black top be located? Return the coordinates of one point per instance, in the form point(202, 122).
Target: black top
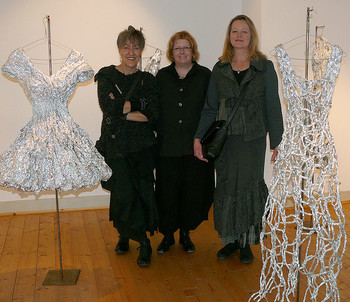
point(118, 136)
point(239, 75)
point(181, 102)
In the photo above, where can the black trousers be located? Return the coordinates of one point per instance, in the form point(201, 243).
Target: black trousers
point(184, 192)
point(132, 202)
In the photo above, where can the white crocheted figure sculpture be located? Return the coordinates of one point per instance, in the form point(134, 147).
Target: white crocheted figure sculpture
point(305, 174)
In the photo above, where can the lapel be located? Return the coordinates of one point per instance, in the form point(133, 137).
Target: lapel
point(255, 65)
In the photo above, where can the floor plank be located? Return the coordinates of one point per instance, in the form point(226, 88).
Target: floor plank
point(4, 226)
point(105, 279)
point(25, 281)
point(66, 292)
point(45, 257)
point(10, 257)
point(86, 285)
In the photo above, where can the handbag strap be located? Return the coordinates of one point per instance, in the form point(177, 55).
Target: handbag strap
point(108, 118)
point(238, 103)
point(127, 97)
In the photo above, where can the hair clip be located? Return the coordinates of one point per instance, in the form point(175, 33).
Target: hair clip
point(131, 28)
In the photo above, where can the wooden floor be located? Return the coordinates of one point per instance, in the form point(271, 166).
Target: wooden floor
point(29, 249)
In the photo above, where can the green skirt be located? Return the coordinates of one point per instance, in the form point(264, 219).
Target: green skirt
point(241, 192)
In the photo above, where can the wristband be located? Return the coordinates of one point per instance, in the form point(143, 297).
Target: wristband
point(138, 105)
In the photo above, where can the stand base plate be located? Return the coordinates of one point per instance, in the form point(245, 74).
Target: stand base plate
point(64, 277)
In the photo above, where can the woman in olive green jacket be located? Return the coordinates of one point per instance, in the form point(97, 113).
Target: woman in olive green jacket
point(241, 192)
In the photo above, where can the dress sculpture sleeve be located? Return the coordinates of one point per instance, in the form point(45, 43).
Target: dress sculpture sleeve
point(84, 71)
point(11, 67)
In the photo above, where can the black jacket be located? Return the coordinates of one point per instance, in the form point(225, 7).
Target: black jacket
point(120, 137)
point(181, 101)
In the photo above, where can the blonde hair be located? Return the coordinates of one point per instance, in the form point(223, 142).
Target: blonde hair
point(182, 35)
point(254, 52)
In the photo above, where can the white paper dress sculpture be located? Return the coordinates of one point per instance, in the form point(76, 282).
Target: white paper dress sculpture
point(305, 174)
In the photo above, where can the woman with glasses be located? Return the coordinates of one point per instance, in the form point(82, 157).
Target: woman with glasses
point(184, 184)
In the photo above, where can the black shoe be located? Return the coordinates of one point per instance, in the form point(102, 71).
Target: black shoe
point(144, 258)
point(186, 242)
point(246, 255)
point(165, 244)
point(122, 246)
point(228, 250)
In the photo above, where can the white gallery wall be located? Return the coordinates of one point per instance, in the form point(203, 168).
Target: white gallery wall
point(91, 27)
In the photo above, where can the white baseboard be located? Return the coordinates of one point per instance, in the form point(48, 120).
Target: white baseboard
point(37, 205)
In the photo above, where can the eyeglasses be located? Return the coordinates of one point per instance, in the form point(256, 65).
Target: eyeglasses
point(185, 48)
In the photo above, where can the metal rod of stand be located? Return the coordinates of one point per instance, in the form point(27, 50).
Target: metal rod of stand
point(49, 44)
point(307, 49)
point(59, 233)
point(56, 191)
point(307, 42)
point(58, 277)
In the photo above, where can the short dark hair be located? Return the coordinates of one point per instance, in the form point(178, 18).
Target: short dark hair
point(132, 34)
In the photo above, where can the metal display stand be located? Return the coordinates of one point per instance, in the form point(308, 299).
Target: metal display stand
point(58, 277)
point(307, 51)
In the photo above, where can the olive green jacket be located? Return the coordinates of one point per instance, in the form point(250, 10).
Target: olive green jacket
point(260, 111)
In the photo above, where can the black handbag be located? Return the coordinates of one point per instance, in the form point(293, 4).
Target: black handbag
point(215, 137)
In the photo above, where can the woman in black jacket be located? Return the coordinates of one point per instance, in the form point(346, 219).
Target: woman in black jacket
point(184, 184)
point(129, 102)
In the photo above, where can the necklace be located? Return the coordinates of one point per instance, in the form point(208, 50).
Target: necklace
point(238, 71)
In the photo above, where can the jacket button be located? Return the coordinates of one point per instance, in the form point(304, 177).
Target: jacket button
point(181, 89)
point(180, 104)
point(112, 136)
point(180, 121)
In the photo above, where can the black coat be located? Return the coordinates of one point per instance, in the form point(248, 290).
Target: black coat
point(118, 136)
point(181, 102)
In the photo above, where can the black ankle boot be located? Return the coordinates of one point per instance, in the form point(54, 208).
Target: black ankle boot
point(246, 255)
point(144, 258)
point(122, 246)
point(186, 242)
point(166, 243)
point(228, 250)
